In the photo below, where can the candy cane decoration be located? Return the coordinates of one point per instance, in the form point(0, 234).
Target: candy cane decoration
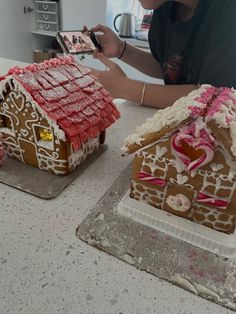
point(195, 164)
point(176, 145)
point(144, 176)
point(212, 200)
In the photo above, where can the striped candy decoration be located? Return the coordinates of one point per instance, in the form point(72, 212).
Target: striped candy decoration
point(197, 163)
point(144, 176)
point(212, 200)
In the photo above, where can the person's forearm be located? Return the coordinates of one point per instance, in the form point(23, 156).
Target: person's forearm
point(159, 96)
point(142, 61)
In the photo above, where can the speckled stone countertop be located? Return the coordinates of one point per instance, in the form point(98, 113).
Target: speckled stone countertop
point(45, 269)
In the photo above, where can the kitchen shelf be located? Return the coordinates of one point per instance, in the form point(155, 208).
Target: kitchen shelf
point(46, 12)
point(45, 33)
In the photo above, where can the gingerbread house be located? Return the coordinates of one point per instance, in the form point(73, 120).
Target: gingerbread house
point(185, 161)
point(53, 114)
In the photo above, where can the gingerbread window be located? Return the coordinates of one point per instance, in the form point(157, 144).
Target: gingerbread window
point(44, 137)
point(6, 125)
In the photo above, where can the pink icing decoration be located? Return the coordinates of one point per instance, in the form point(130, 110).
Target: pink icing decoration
point(144, 176)
point(212, 200)
point(42, 66)
point(224, 95)
point(198, 139)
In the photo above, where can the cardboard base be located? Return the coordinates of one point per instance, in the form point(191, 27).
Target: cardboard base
point(32, 180)
point(201, 272)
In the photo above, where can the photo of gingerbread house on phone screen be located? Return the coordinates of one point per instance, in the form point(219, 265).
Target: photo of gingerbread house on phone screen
point(54, 114)
point(185, 162)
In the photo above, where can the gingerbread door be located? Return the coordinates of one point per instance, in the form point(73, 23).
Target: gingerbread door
point(28, 150)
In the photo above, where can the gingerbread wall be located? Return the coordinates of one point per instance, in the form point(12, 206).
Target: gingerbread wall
point(21, 135)
point(159, 180)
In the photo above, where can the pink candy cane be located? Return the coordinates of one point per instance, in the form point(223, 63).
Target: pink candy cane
point(192, 165)
point(176, 145)
point(212, 200)
point(144, 176)
point(203, 160)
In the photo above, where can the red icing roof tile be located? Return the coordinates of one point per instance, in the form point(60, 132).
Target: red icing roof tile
point(61, 92)
point(84, 81)
point(70, 95)
point(57, 75)
point(41, 80)
point(101, 104)
point(49, 106)
point(29, 82)
point(94, 119)
point(49, 95)
point(71, 87)
point(39, 99)
point(63, 71)
point(76, 141)
point(65, 122)
point(78, 117)
point(72, 70)
point(75, 97)
point(94, 131)
point(97, 95)
point(82, 69)
point(84, 136)
point(72, 108)
point(88, 111)
point(48, 78)
point(57, 115)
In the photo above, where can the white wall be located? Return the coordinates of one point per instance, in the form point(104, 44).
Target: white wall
point(77, 13)
point(15, 38)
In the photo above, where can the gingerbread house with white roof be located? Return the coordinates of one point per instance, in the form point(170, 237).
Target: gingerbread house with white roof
point(53, 114)
point(185, 161)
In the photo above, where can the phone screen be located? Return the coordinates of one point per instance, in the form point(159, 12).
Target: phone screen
point(75, 42)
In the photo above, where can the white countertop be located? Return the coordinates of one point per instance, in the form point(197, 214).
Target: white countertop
point(45, 269)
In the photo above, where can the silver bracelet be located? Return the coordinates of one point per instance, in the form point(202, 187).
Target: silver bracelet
point(143, 93)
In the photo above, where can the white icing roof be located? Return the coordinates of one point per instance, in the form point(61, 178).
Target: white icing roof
point(170, 116)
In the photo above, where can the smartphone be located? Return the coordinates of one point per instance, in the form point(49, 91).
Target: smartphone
point(77, 42)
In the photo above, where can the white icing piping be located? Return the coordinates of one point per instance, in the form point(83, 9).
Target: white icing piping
point(18, 87)
point(169, 116)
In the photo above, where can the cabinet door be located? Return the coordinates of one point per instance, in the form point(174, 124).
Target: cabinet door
point(15, 36)
point(77, 13)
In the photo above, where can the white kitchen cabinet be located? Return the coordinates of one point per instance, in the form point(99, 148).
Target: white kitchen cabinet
point(72, 15)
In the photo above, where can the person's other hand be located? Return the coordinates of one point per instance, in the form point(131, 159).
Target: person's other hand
point(112, 45)
point(113, 78)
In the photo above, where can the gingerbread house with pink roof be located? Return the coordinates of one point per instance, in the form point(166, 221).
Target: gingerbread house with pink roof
point(185, 161)
point(53, 114)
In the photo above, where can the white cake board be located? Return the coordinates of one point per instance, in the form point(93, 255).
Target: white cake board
point(183, 229)
point(204, 273)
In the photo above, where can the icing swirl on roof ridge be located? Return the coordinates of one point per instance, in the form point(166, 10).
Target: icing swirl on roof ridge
point(47, 64)
point(171, 116)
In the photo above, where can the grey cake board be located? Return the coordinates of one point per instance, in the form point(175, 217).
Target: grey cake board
point(199, 271)
point(32, 180)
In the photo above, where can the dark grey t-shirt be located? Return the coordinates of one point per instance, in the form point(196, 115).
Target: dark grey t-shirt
point(200, 50)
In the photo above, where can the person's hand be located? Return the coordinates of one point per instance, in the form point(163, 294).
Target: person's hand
point(112, 45)
point(113, 78)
